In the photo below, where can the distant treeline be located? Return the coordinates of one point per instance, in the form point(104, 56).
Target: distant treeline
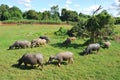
point(52, 16)
point(14, 14)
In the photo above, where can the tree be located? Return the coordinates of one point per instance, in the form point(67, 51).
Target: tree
point(40, 15)
point(68, 15)
point(106, 23)
point(31, 14)
point(73, 16)
point(46, 15)
point(92, 27)
point(4, 14)
point(15, 13)
point(78, 30)
point(55, 13)
point(99, 26)
point(117, 20)
point(64, 15)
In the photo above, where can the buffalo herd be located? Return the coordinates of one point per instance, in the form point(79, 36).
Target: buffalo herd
point(37, 58)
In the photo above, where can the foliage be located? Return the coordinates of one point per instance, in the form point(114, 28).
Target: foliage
point(46, 15)
point(32, 21)
point(52, 15)
point(31, 14)
point(84, 15)
point(15, 13)
point(4, 14)
point(78, 30)
point(96, 27)
point(61, 32)
point(68, 15)
point(117, 20)
point(99, 26)
point(40, 15)
point(55, 13)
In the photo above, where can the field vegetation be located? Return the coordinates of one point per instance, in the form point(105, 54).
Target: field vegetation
point(102, 66)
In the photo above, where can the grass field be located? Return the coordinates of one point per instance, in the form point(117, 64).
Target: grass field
point(102, 66)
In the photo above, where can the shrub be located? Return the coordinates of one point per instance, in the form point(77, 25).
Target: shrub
point(78, 30)
point(61, 32)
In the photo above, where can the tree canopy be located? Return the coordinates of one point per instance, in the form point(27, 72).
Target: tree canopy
point(96, 27)
point(68, 15)
point(14, 13)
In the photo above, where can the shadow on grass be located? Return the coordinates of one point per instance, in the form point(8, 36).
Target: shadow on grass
point(56, 63)
point(60, 45)
point(82, 53)
point(23, 67)
point(17, 49)
point(76, 46)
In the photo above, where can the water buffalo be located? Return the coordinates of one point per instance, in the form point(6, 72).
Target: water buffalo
point(45, 37)
point(106, 44)
point(62, 56)
point(37, 42)
point(20, 44)
point(91, 47)
point(32, 59)
point(67, 42)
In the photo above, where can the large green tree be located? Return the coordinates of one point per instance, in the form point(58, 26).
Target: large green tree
point(100, 25)
point(4, 14)
point(55, 13)
point(31, 14)
point(68, 15)
point(46, 15)
point(40, 15)
point(15, 13)
point(97, 27)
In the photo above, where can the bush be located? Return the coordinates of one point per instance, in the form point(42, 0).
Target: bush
point(61, 32)
point(78, 30)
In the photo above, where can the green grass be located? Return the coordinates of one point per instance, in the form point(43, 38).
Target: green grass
point(102, 66)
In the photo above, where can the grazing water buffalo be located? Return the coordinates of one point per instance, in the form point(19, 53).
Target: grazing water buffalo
point(62, 56)
point(31, 59)
point(106, 44)
point(37, 42)
point(91, 47)
point(20, 44)
point(45, 37)
point(67, 42)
